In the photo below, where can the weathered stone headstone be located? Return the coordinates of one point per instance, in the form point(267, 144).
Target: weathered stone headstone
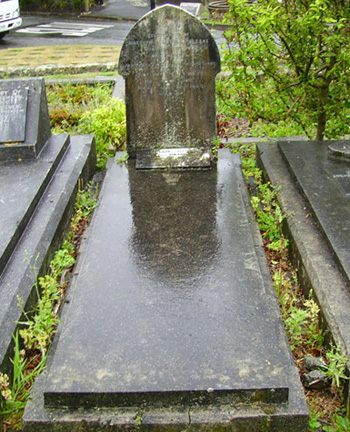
point(169, 61)
point(24, 118)
point(193, 8)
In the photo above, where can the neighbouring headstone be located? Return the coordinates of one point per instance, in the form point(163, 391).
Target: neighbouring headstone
point(193, 8)
point(169, 61)
point(24, 118)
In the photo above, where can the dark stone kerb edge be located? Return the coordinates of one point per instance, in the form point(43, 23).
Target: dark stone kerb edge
point(156, 399)
point(310, 271)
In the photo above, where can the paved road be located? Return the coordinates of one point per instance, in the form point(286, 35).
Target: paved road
point(42, 31)
point(114, 34)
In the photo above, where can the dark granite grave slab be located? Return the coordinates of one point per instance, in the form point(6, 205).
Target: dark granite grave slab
point(169, 61)
point(172, 317)
point(24, 118)
point(325, 182)
point(21, 187)
point(310, 233)
point(36, 200)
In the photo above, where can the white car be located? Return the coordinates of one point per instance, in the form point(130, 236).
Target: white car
point(9, 16)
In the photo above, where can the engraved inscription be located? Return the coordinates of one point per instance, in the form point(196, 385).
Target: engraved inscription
point(343, 180)
point(13, 112)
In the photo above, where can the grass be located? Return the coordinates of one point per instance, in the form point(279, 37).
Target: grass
point(74, 55)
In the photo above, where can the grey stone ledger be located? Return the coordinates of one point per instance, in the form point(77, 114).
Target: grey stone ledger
point(181, 312)
point(169, 61)
point(24, 118)
point(315, 193)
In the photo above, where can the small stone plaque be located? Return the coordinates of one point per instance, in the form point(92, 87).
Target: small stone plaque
point(24, 118)
point(193, 8)
point(343, 180)
point(13, 113)
point(173, 158)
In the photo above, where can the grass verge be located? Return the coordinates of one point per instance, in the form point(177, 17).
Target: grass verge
point(58, 55)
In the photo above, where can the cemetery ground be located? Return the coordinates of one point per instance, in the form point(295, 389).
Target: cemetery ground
point(89, 109)
point(75, 109)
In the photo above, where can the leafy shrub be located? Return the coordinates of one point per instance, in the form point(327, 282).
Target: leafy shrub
point(52, 5)
point(289, 61)
point(108, 123)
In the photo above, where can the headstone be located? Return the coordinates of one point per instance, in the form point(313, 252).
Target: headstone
point(193, 8)
point(169, 61)
point(24, 118)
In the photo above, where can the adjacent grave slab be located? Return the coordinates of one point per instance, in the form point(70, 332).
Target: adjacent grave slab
point(36, 201)
point(169, 61)
point(318, 206)
point(325, 182)
point(178, 321)
point(21, 187)
point(24, 118)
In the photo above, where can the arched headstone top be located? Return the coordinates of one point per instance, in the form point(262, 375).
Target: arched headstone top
point(164, 27)
point(169, 61)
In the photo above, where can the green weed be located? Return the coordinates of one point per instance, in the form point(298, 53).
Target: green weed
point(337, 366)
point(340, 424)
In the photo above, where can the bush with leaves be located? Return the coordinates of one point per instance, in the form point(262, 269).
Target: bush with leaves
point(108, 123)
point(53, 5)
point(289, 61)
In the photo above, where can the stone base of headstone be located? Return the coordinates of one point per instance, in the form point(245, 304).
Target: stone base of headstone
point(315, 194)
point(37, 197)
point(172, 321)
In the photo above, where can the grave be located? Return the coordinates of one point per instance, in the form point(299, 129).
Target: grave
point(39, 174)
point(315, 194)
point(172, 322)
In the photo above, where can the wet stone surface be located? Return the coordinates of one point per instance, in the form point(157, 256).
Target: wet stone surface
point(179, 310)
point(340, 149)
point(13, 112)
point(169, 61)
point(325, 182)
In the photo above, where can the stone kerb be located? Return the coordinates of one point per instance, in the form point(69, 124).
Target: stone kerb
point(169, 61)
